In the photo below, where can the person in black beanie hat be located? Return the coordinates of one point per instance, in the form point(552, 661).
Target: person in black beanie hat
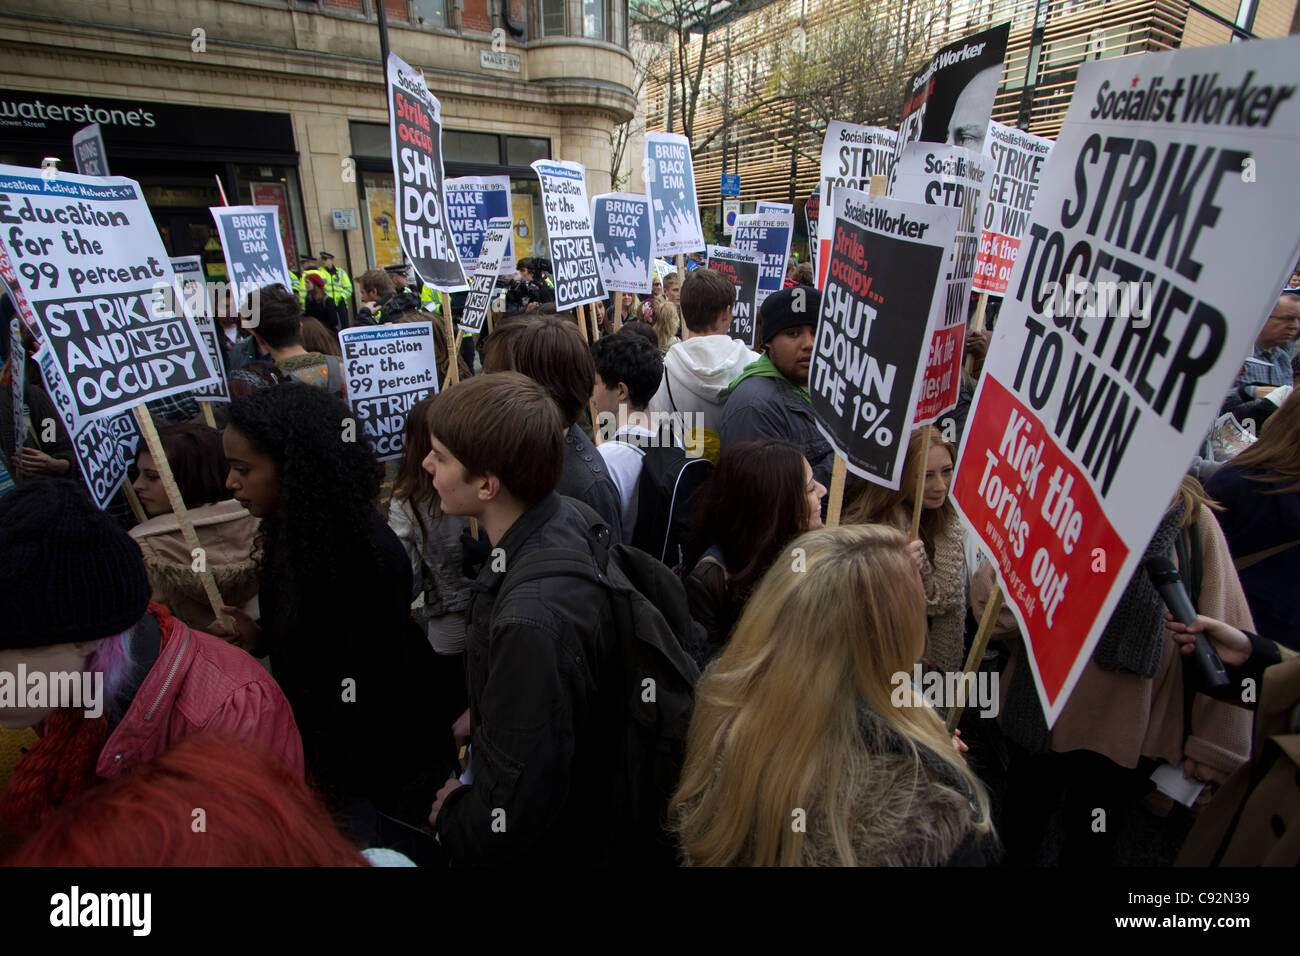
point(769, 399)
point(112, 679)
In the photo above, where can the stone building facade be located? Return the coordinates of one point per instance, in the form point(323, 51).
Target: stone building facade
point(283, 100)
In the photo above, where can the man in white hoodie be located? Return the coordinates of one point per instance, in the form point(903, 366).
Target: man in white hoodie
point(698, 371)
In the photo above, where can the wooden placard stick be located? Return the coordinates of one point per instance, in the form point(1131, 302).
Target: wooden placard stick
point(133, 500)
point(591, 406)
point(977, 648)
point(206, 408)
point(618, 311)
point(977, 325)
point(154, 444)
point(839, 471)
point(453, 347)
point(919, 493)
point(681, 266)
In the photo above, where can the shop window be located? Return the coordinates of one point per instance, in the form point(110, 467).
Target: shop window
point(379, 215)
point(429, 13)
point(522, 150)
point(553, 18)
point(370, 139)
point(470, 147)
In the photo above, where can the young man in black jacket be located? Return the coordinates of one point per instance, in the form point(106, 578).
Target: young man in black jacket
point(537, 658)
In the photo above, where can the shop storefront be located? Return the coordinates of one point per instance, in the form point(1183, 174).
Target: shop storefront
point(175, 153)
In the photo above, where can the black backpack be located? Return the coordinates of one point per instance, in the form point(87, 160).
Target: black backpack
point(666, 493)
point(655, 659)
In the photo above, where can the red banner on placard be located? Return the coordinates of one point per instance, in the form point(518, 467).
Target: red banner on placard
point(942, 384)
point(997, 254)
point(1046, 528)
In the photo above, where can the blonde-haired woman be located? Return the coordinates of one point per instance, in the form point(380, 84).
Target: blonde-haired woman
point(666, 322)
point(797, 754)
point(939, 553)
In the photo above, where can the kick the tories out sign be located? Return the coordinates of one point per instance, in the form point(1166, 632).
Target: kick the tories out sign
point(1152, 256)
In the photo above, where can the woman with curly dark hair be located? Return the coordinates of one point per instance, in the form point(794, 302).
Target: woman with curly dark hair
point(335, 599)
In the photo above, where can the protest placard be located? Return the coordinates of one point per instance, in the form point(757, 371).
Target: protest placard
point(191, 289)
point(621, 226)
point(954, 177)
point(495, 240)
point(104, 448)
point(89, 152)
point(568, 223)
point(1149, 263)
point(811, 210)
point(92, 277)
point(670, 182)
point(769, 235)
point(472, 203)
point(950, 99)
point(851, 155)
point(388, 368)
point(742, 267)
point(250, 242)
point(1014, 160)
point(415, 136)
point(763, 206)
point(881, 298)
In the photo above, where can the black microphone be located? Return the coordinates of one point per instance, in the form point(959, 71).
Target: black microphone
point(1167, 581)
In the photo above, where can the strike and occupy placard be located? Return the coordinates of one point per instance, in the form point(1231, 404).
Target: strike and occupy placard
point(88, 151)
point(472, 202)
point(769, 235)
point(1014, 160)
point(851, 155)
point(621, 225)
point(568, 223)
point(954, 177)
point(950, 99)
point(1150, 261)
point(250, 242)
point(880, 301)
point(388, 369)
point(191, 289)
point(495, 240)
point(415, 135)
point(763, 206)
point(670, 182)
point(742, 267)
point(87, 268)
point(104, 448)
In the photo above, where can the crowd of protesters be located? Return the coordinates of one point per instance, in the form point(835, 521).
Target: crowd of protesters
point(538, 640)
